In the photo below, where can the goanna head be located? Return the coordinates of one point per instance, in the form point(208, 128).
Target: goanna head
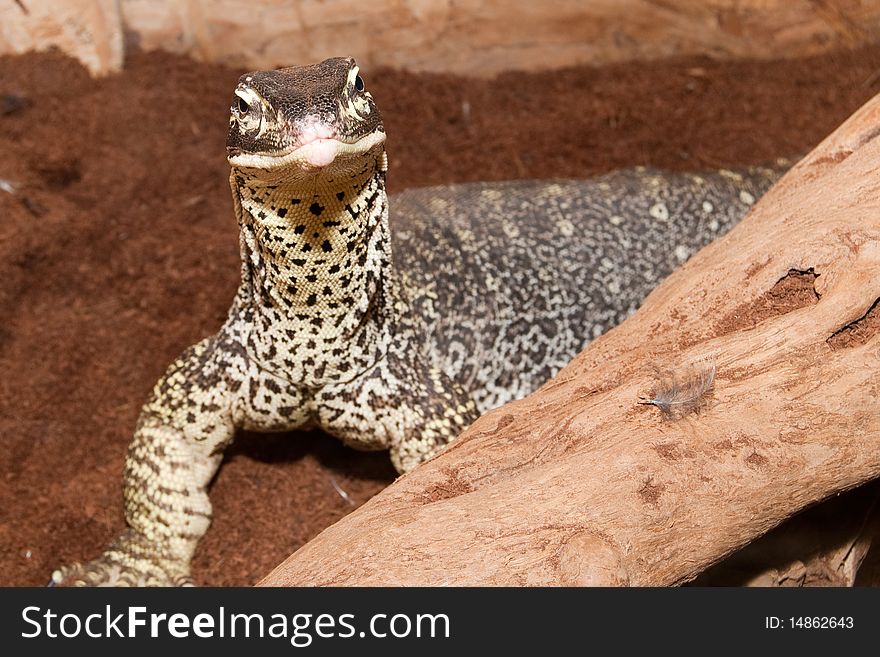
point(304, 120)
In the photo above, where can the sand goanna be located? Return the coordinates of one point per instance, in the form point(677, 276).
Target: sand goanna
point(387, 339)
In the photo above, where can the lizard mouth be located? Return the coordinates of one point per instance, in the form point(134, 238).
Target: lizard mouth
point(318, 152)
point(315, 154)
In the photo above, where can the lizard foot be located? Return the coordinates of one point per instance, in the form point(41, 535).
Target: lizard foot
point(128, 561)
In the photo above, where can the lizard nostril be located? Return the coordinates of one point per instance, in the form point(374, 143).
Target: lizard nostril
point(243, 107)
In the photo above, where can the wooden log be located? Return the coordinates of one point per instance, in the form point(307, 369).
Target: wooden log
point(469, 38)
point(90, 30)
point(825, 545)
point(579, 484)
point(491, 36)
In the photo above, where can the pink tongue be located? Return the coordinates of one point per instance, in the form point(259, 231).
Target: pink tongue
point(320, 152)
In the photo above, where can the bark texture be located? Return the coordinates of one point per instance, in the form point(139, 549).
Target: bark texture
point(466, 37)
point(580, 484)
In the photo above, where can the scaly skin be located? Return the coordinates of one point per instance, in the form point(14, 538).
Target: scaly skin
point(490, 290)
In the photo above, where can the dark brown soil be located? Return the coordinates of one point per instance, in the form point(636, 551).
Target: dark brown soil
point(118, 249)
point(794, 290)
point(858, 332)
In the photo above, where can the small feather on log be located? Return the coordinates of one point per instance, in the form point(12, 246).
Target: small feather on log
point(678, 396)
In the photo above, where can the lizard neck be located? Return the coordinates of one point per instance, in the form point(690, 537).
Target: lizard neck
point(316, 256)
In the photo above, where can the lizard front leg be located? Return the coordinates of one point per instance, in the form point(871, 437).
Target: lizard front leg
point(401, 404)
point(438, 411)
point(177, 448)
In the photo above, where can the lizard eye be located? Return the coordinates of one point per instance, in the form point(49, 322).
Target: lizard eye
point(358, 83)
point(243, 107)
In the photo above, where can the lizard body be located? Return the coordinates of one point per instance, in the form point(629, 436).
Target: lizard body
point(387, 339)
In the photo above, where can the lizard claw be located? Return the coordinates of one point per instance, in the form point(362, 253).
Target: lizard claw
point(104, 572)
point(127, 562)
